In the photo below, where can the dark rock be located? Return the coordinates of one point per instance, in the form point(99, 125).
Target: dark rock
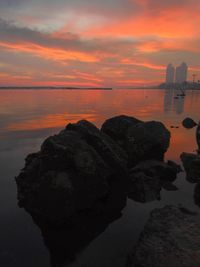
point(175, 166)
point(73, 170)
point(158, 169)
point(112, 153)
point(170, 239)
point(169, 186)
point(141, 140)
point(148, 178)
point(189, 123)
point(118, 126)
point(144, 188)
point(149, 140)
point(71, 173)
point(191, 163)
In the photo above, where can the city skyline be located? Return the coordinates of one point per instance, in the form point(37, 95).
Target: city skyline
point(176, 74)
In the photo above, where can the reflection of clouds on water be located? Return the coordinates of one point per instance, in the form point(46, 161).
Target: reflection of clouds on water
point(173, 102)
point(51, 108)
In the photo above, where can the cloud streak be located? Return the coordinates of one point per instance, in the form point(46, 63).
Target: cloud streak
point(98, 43)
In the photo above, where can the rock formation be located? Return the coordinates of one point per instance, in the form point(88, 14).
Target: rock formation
point(170, 239)
point(73, 171)
point(149, 177)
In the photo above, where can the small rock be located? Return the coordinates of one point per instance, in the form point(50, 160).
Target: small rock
point(189, 123)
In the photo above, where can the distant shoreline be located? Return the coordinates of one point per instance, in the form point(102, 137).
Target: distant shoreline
point(90, 88)
point(51, 88)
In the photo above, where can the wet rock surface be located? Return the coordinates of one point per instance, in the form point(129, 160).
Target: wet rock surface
point(170, 239)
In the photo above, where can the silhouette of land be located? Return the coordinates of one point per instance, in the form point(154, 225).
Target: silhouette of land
point(53, 88)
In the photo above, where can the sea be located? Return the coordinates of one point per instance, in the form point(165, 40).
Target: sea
point(27, 117)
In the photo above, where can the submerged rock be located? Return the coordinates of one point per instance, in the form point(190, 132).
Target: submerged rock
point(170, 239)
point(191, 163)
point(149, 177)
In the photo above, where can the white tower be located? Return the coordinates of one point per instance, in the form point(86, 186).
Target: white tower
point(181, 73)
point(170, 74)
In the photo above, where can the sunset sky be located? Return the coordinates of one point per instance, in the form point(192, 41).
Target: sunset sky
point(96, 43)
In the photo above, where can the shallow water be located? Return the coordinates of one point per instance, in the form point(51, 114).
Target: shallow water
point(28, 116)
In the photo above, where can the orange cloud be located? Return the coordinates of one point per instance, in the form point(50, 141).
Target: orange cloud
point(124, 44)
point(168, 22)
point(49, 53)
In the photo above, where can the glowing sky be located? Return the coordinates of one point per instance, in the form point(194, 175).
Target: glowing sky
point(96, 43)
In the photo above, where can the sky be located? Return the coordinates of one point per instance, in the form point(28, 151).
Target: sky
point(92, 43)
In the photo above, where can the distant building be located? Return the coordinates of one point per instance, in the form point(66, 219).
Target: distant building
point(170, 73)
point(181, 73)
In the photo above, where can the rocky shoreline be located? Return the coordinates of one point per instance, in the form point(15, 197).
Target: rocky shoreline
point(79, 182)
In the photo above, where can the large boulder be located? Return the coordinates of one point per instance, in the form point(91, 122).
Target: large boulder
point(141, 140)
point(149, 140)
point(191, 163)
point(71, 173)
point(118, 126)
point(170, 239)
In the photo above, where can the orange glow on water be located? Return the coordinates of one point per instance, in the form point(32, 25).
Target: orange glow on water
point(34, 110)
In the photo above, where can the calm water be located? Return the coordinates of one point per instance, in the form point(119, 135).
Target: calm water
point(28, 116)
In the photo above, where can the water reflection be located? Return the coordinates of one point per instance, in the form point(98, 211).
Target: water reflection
point(64, 243)
point(173, 101)
point(168, 100)
point(27, 117)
